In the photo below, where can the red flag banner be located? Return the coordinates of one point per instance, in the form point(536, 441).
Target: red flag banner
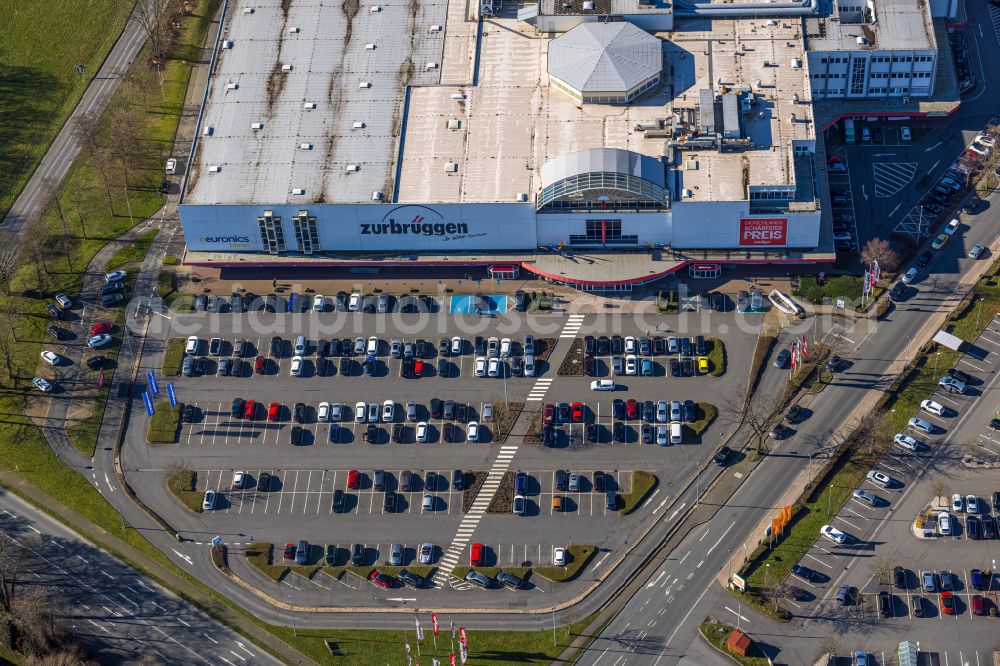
point(463, 639)
point(451, 659)
point(434, 621)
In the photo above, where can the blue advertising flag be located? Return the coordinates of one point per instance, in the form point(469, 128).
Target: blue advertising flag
point(148, 401)
point(154, 388)
point(171, 394)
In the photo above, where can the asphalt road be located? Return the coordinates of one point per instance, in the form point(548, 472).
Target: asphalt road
point(121, 613)
point(646, 633)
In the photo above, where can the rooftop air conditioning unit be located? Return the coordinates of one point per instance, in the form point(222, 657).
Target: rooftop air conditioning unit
point(352, 167)
point(207, 131)
point(375, 9)
point(369, 47)
point(306, 146)
point(308, 106)
point(257, 126)
point(796, 63)
point(454, 124)
point(450, 167)
point(772, 24)
point(286, 68)
point(248, 10)
point(377, 196)
point(432, 65)
point(364, 84)
point(214, 168)
point(862, 40)
point(232, 86)
point(358, 125)
point(298, 190)
point(687, 194)
point(293, 30)
point(522, 196)
point(227, 43)
point(458, 95)
point(435, 28)
point(588, 4)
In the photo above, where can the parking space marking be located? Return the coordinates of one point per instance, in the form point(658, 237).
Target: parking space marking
point(891, 177)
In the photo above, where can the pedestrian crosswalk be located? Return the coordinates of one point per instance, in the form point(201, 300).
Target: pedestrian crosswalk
point(995, 18)
point(572, 327)
point(471, 520)
point(538, 391)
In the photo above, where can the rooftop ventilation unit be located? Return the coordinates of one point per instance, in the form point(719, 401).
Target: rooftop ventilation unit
point(257, 126)
point(588, 5)
point(687, 194)
point(358, 125)
point(232, 86)
point(432, 65)
point(298, 190)
point(248, 10)
point(286, 68)
point(308, 106)
point(377, 196)
point(862, 40)
point(454, 124)
point(375, 9)
point(306, 146)
point(450, 167)
point(293, 30)
point(227, 43)
point(796, 63)
point(214, 168)
point(772, 24)
point(352, 167)
point(522, 196)
point(435, 28)
point(207, 131)
point(369, 47)
point(458, 95)
point(364, 84)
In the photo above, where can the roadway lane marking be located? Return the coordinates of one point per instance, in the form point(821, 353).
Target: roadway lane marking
point(929, 150)
point(737, 614)
point(720, 539)
point(656, 580)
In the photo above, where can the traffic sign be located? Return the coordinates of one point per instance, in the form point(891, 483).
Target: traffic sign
point(171, 394)
point(148, 401)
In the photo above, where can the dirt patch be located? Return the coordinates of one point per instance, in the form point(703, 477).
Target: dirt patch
point(543, 349)
point(350, 9)
point(572, 365)
point(474, 481)
point(504, 418)
point(533, 435)
point(504, 498)
point(275, 84)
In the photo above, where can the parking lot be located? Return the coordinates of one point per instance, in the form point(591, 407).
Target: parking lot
point(880, 535)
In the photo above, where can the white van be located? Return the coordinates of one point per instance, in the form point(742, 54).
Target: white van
point(676, 433)
point(529, 366)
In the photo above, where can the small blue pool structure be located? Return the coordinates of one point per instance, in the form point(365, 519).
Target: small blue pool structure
point(487, 304)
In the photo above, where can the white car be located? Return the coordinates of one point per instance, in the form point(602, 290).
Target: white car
point(239, 480)
point(631, 365)
point(472, 431)
point(99, 340)
point(41, 384)
point(975, 251)
point(372, 348)
point(906, 442)
point(952, 385)
point(360, 412)
point(559, 557)
point(505, 346)
point(480, 366)
point(296, 369)
point(63, 300)
point(920, 424)
point(986, 140)
point(171, 166)
point(951, 227)
point(494, 368)
point(957, 503)
point(355, 302)
point(319, 303)
point(879, 478)
point(192, 345)
point(388, 411)
point(833, 534)
point(944, 523)
point(323, 412)
point(602, 385)
point(422, 431)
point(971, 504)
point(208, 503)
point(935, 408)
point(52, 357)
point(629, 344)
point(910, 275)
point(456, 346)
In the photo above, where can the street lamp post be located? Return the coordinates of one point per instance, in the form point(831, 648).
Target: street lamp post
point(981, 299)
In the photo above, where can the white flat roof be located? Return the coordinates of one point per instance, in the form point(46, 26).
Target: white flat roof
point(904, 25)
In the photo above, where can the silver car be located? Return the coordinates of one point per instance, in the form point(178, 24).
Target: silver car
point(396, 554)
point(675, 410)
point(426, 553)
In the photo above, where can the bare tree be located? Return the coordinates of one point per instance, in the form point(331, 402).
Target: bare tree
point(124, 144)
point(880, 250)
point(10, 262)
point(50, 198)
point(77, 197)
point(939, 489)
point(154, 16)
point(871, 427)
point(90, 134)
point(881, 569)
point(8, 336)
point(756, 412)
point(829, 646)
point(34, 237)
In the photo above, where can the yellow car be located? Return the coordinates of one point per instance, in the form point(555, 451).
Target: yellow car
point(940, 241)
point(702, 365)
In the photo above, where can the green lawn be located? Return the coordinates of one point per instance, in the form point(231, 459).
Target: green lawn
point(173, 357)
point(42, 44)
point(182, 484)
point(717, 634)
point(133, 252)
point(642, 483)
point(706, 414)
point(164, 424)
point(716, 357)
point(578, 556)
point(848, 287)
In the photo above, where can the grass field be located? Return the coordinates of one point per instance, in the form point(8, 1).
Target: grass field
point(133, 252)
point(182, 484)
point(43, 43)
point(578, 556)
point(164, 424)
point(642, 483)
point(173, 357)
point(717, 357)
point(717, 634)
point(848, 287)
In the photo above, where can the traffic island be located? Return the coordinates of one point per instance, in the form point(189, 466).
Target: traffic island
point(164, 424)
point(705, 414)
point(572, 364)
point(716, 357)
point(474, 481)
point(642, 484)
point(504, 417)
point(260, 556)
point(182, 483)
point(503, 499)
point(577, 556)
point(173, 357)
point(733, 643)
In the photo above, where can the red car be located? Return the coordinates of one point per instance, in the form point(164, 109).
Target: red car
point(258, 365)
point(631, 409)
point(250, 411)
point(576, 409)
point(550, 412)
point(978, 607)
point(380, 579)
point(353, 480)
point(289, 551)
point(100, 327)
point(947, 603)
point(273, 411)
point(418, 368)
point(476, 557)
